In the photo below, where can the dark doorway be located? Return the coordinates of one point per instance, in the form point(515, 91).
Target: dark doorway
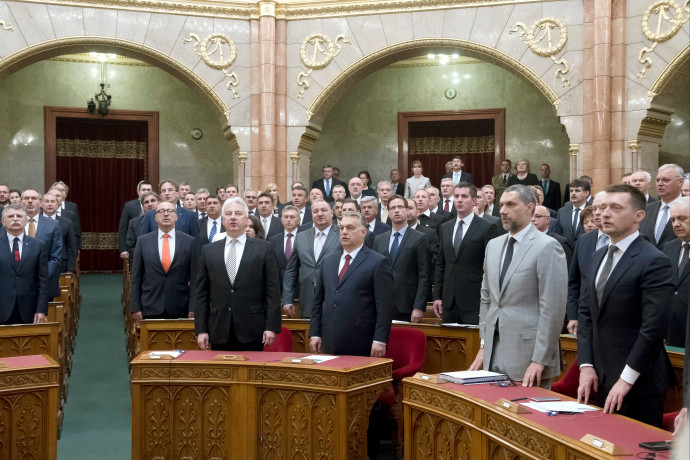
point(101, 159)
point(435, 137)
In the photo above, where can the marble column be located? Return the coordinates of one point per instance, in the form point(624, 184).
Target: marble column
point(281, 107)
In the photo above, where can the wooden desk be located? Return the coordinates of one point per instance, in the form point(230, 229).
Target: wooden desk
point(454, 421)
point(447, 348)
point(167, 334)
point(28, 407)
point(198, 407)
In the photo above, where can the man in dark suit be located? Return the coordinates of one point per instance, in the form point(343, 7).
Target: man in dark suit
point(385, 191)
point(460, 263)
point(284, 242)
point(568, 218)
point(424, 215)
point(68, 261)
point(446, 207)
point(480, 209)
point(456, 173)
point(432, 243)
point(271, 224)
point(212, 224)
point(369, 208)
point(310, 248)
point(132, 209)
point(327, 182)
point(48, 231)
point(299, 200)
point(187, 221)
point(623, 313)
point(397, 187)
point(541, 219)
point(164, 270)
point(491, 208)
point(551, 188)
point(351, 205)
point(409, 258)
point(70, 214)
point(237, 306)
point(656, 224)
point(642, 181)
point(150, 201)
point(23, 271)
point(353, 302)
point(677, 251)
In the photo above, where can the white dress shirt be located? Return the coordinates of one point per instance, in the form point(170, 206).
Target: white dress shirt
point(239, 250)
point(467, 221)
point(319, 240)
point(661, 213)
point(29, 219)
point(519, 236)
point(171, 243)
point(572, 217)
point(21, 244)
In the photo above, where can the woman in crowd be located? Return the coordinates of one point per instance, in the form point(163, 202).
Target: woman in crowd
point(15, 196)
point(417, 181)
point(366, 178)
point(254, 229)
point(271, 189)
point(523, 176)
point(587, 219)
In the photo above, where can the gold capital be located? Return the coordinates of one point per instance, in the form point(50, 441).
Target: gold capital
point(267, 8)
point(294, 157)
point(634, 145)
point(573, 149)
point(242, 156)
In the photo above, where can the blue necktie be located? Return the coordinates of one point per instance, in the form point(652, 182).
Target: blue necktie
point(602, 241)
point(214, 229)
point(576, 221)
point(662, 224)
point(395, 245)
point(328, 187)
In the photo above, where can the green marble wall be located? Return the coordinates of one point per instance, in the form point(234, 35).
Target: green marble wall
point(675, 145)
point(23, 95)
point(361, 130)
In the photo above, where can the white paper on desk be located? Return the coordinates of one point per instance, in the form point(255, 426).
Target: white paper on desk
point(171, 353)
point(560, 406)
point(319, 358)
point(469, 326)
point(395, 321)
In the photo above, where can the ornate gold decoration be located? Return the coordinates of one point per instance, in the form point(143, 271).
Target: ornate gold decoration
point(534, 39)
point(294, 157)
point(51, 48)
point(28, 379)
point(573, 149)
point(6, 27)
point(316, 52)
point(667, 13)
point(267, 8)
point(381, 373)
point(206, 52)
point(634, 146)
point(243, 157)
point(446, 439)
point(434, 145)
point(92, 240)
point(516, 434)
point(677, 63)
point(444, 403)
point(305, 378)
point(654, 126)
point(129, 150)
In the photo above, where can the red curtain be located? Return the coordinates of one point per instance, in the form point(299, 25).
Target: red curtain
point(434, 143)
point(101, 161)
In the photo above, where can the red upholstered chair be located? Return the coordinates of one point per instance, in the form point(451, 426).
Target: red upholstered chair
point(407, 349)
point(283, 341)
point(567, 385)
point(667, 422)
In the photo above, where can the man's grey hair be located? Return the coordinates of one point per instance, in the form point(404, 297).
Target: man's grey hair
point(526, 193)
point(384, 182)
point(291, 208)
point(682, 202)
point(438, 192)
point(679, 170)
point(488, 186)
point(446, 179)
point(202, 190)
point(367, 199)
point(148, 194)
point(360, 217)
point(339, 186)
point(16, 207)
point(647, 176)
point(235, 199)
point(249, 190)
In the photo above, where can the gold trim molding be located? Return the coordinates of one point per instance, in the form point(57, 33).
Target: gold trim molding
point(51, 48)
point(677, 63)
point(384, 56)
point(534, 39)
point(284, 9)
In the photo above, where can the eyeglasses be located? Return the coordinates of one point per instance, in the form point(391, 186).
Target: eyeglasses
point(166, 211)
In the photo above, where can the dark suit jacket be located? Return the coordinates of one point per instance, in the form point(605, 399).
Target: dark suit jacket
point(277, 241)
point(397, 189)
point(451, 206)
point(131, 210)
point(26, 285)
point(580, 262)
point(564, 223)
point(410, 269)
point(68, 262)
point(48, 231)
point(648, 225)
point(432, 221)
point(566, 244)
point(677, 325)
point(351, 314)
point(187, 222)
point(495, 221)
point(459, 277)
point(464, 176)
point(320, 185)
point(275, 227)
point(251, 303)
point(132, 236)
point(552, 199)
point(433, 247)
point(629, 325)
point(379, 228)
point(153, 291)
point(74, 218)
point(203, 230)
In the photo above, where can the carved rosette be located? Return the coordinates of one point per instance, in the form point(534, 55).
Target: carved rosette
point(316, 52)
point(540, 41)
point(211, 50)
point(516, 434)
point(660, 23)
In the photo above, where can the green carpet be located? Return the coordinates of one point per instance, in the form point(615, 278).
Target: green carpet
point(98, 413)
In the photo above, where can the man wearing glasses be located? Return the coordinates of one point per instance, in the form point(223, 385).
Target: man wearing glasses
point(657, 223)
point(187, 221)
point(164, 270)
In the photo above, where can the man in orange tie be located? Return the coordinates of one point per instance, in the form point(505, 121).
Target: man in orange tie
point(164, 270)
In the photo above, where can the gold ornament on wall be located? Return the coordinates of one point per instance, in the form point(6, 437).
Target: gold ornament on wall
point(211, 49)
point(670, 17)
point(6, 27)
point(316, 52)
point(540, 41)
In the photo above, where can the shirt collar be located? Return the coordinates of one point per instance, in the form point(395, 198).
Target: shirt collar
point(353, 254)
point(669, 204)
point(625, 243)
point(519, 236)
point(161, 233)
point(324, 231)
point(467, 219)
point(580, 207)
point(401, 231)
point(242, 239)
point(427, 213)
point(599, 233)
point(293, 233)
point(11, 238)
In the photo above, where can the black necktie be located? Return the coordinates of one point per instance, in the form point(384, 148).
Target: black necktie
point(605, 272)
point(684, 255)
point(458, 237)
point(506, 261)
point(15, 251)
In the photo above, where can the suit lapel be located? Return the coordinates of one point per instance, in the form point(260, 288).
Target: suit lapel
point(328, 243)
point(311, 234)
point(247, 254)
point(467, 237)
point(621, 267)
point(363, 254)
point(596, 261)
point(177, 255)
point(405, 237)
point(27, 246)
point(522, 249)
point(5, 249)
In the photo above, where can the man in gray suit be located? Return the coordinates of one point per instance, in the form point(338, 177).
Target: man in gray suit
point(310, 247)
point(523, 297)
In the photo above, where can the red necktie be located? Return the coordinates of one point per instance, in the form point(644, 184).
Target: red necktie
point(345, 267)
point(447, 207)
point(166, 253)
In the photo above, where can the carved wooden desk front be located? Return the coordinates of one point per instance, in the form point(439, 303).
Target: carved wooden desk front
point(28, 407)
point(200, 408)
